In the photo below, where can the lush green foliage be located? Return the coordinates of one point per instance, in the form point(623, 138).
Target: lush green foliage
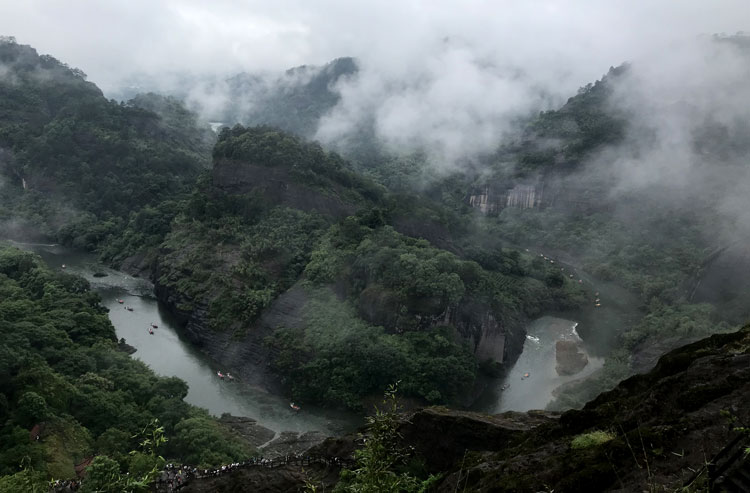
point(86, 162)
point(234, 254)
point(584, 124)
point(238, 266)
point(306, 162)
point(382, 463)
point(337, 358)
point(410, 281)
point(591, 439)
point(60, 366)
point(408, 307)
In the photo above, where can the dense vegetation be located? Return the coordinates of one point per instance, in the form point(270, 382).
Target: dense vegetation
point(402, 308)
point(63, 379)
point(396, 268)
point(76, 165)
point(654, 242)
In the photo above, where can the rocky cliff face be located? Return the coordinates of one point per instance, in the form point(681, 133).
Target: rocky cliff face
point(493, 198)
point(247, 356)
point(278, 187)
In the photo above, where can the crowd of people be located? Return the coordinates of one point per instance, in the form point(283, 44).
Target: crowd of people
point(65, 485)
point(175, 477)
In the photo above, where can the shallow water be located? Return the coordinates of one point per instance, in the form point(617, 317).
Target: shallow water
point(168, 354)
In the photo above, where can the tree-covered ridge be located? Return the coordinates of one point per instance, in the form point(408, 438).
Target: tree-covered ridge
point(236, 246)
point(306, 162)
point(70, 156)
point(233, 266)
point(586, 122)
point(405, 311)
point(60, 368)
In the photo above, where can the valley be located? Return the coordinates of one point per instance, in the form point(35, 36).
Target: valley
point(367, 297)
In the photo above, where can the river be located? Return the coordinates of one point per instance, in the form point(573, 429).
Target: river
point(168, 354)
point(533, 379)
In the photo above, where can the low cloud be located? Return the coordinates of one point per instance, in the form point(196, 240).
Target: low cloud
point(447, 77)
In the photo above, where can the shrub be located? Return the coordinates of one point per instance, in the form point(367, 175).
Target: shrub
point(592, 439)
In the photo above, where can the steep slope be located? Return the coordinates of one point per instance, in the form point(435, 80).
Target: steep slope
point(69, 392)
point(663, 429)
point(285, 256)
point(75, 164)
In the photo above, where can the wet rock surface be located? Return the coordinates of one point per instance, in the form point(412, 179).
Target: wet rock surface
point(288, 478)
point(292, 443)
point(254, 433)
point(675, 418)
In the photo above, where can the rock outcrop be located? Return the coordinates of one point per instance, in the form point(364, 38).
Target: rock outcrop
point(570, 360)
point(278, 186)
point(494, 198)
point(249, 429)
point(665, 426)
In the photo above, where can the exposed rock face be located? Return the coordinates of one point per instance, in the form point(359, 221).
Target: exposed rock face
point(138, 265)
point(249, 429)
point(246, 357)
point(491, 339)
point(285, 479)
point(278, 187)
point(569, 359)
point(672, 416)
point(292, 442)
point(493, 198)
point(443, 435)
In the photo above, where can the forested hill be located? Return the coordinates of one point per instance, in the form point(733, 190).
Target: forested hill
point(69, 393)
point(285, 256)
point(68, 155)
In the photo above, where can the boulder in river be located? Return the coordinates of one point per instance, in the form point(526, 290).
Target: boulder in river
point(569, 359)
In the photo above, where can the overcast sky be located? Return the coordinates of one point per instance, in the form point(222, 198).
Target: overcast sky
point(109, 39)
point(446, 76)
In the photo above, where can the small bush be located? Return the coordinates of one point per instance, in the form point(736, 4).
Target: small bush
point(592, 439)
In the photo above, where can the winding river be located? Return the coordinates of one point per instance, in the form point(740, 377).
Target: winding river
point(168, 354)
point(533, 379)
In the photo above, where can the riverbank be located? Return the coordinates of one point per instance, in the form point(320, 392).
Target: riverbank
point(168, 352)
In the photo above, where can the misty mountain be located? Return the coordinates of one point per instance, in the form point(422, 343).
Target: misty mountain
point(294, 100)
point(311, 252)
point(69, 155)
point(327, 278)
